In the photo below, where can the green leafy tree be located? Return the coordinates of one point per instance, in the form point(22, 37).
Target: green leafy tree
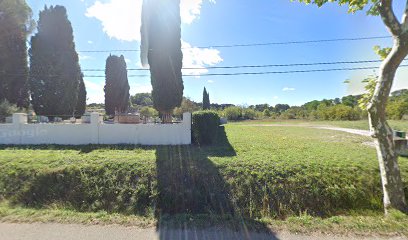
point(400, 93)
point(310, 106)
point(81, 102)
point(206, 100)
point(397, 109)
point(16, 24)
point(54, 70)
point(393, 189)
point(262, 107)
point(187, 105)
point(148, 112)
point(266, 113)
point(350, 100)
point(6, 110)
point(161, 50)
point(398, 104)
point(142, 99)
point(279, 108)
point(116, 86)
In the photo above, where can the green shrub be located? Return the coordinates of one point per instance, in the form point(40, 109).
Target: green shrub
point(148, 112)
point(249, 113)
point(267, 113)
point(109, 186)
point(397, 109)
point(205, 127)
point(6, 110)
point(338, 112)
point(233, 113)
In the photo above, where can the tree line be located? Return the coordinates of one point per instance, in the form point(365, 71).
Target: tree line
point(346, 108)
point(53, 85)
point(51, 82)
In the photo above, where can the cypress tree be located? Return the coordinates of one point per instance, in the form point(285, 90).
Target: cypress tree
point(161, 49)
point(54, 70)
point(16, 24)
point(116, 86)
point(81, 103)
point(206, 100)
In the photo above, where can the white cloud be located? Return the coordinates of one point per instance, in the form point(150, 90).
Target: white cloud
point(194, 57)
point(275, 97)
point(84, 57)
point(288, 89)
point(210, 81)
point(121, 19)
point(95, 93)
point(90, 42)
point(127, 60)
point(191, 9)
point(139, 88)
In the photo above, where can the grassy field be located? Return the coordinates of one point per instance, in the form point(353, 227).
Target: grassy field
point(401, 125)
point(312, 177)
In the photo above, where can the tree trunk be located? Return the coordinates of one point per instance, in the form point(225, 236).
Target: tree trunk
point(166, 117)
point(393, 190)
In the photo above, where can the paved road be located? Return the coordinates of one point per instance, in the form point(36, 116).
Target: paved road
point(52, 231)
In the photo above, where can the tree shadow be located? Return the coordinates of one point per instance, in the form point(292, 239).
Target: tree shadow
point(194, 200)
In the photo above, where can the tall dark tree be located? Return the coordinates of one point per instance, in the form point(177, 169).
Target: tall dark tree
point(15, 25)
point(116, 86)
point(161, 49)
point(54, 70)
point(206, 100)
point(81, 103)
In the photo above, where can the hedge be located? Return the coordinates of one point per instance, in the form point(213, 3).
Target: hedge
point(205, 127)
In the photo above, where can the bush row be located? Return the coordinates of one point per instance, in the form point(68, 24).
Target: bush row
point(184, 180)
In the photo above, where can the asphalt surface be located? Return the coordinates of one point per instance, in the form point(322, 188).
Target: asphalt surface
point(53, 231)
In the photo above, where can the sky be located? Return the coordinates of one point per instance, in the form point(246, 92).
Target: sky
point(107, 25)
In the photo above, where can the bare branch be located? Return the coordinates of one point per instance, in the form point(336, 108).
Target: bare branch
point(389, 18)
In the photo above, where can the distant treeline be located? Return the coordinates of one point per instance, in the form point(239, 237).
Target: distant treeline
point(346, 108)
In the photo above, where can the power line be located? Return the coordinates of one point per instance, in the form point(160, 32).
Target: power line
point(262, 73)
point(255, 44)
point(255, 66)
point(235, 74)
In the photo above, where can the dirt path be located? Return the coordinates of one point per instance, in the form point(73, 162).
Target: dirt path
point(348, 130)
point(52, 231)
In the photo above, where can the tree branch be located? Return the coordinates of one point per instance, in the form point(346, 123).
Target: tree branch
point(389, 18)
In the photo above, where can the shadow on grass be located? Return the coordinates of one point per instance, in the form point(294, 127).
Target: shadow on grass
point(194, 195)
point(188, 192)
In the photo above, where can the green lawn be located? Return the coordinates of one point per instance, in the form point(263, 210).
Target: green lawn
point(258, 173)
point(401, 125)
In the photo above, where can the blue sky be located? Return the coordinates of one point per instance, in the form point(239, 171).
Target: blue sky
point(114, 24)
